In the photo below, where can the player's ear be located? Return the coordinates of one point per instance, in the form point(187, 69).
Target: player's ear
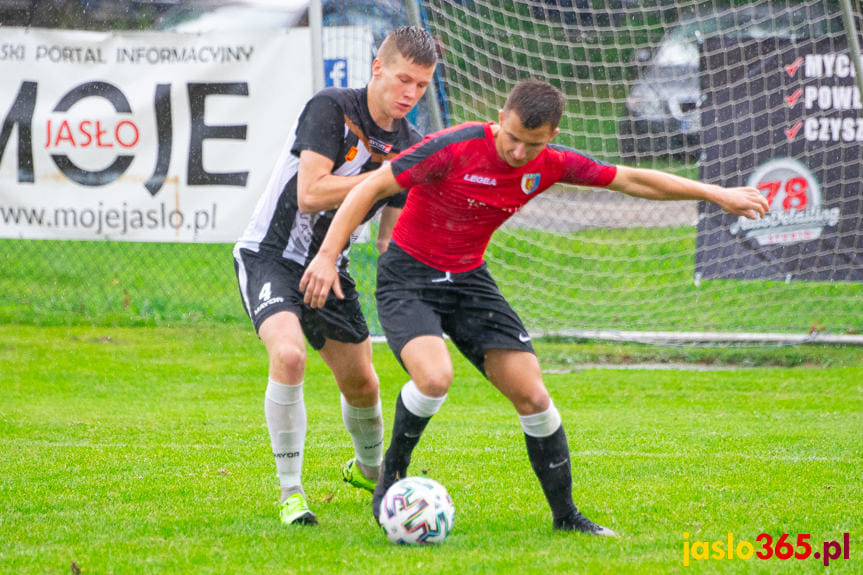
point(500, 116)
point(377, 67)
point(554, 134)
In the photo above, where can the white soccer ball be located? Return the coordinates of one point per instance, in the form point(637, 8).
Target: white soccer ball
point(417, 511)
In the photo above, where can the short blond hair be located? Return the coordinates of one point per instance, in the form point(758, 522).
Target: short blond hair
point(412, 43)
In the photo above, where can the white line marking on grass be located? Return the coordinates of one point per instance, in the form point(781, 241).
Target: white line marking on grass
point(589, 452)
point(646, 366)
point(681, 455)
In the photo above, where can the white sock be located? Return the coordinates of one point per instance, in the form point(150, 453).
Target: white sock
point(366, 426)
point(286, 419)
point(541, 424)
point(418, 403)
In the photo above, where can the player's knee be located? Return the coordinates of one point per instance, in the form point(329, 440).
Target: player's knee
point(533, 400)
point(289, 360)
point(361, 389)
point(435, 384)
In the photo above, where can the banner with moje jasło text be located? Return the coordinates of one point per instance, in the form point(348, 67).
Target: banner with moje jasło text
point(149, 136)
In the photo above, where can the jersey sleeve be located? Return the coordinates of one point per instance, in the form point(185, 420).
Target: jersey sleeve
point(320, 128)
point(426, 161)
point(582, 170)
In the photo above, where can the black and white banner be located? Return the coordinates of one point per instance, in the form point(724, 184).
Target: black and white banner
point(784, 117)
point(146, 136)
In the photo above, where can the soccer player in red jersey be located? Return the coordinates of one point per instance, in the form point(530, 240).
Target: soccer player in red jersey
point(464, 182)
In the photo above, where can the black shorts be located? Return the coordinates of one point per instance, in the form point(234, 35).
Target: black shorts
point(271, 283)
point(415, 299)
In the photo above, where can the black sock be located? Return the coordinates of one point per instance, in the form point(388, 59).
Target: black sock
point(407, 429)
point(549, 457)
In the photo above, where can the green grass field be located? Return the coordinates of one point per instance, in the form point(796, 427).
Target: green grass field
point(144, 450)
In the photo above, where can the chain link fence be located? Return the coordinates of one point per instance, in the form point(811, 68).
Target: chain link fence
point(150, 283)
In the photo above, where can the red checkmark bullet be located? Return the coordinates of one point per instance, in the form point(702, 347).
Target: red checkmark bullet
point(792, 99)
point(792, 133)
point(792, 68)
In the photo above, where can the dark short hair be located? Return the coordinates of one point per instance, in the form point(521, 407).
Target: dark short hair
point(537, 103)
point(413, 43)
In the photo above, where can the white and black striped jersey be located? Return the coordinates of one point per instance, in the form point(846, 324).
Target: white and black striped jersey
point(337, 124)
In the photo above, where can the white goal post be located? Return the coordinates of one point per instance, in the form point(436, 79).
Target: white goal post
point(675, 85)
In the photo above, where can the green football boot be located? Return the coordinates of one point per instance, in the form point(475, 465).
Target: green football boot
point(295, 511)
point(352, 474)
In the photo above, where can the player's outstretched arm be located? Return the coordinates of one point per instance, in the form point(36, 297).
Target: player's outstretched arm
point(656, 185)
point(318, 189)
point(321, 274)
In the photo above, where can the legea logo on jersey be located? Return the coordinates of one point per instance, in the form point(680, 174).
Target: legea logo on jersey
point(794, 196)
point(484, 180)
point(529, 183)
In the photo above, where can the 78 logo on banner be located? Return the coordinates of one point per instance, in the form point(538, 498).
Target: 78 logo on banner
point(795, 205)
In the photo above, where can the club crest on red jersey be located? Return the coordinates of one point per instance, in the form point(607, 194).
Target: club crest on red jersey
point(530, 183)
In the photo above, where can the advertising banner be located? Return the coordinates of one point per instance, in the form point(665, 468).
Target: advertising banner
point(150, 136)
point(783, 117)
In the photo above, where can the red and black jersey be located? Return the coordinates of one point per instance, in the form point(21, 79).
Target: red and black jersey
point(461, 191)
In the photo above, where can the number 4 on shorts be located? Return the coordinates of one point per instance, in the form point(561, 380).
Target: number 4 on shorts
point(266, 292)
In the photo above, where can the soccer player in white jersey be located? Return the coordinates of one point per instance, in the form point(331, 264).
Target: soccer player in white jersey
point(339, 138)
point(465, 182)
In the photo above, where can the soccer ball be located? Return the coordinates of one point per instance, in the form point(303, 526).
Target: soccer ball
point(417, 511)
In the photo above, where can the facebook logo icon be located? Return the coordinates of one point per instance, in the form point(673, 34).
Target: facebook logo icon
point(336, 72)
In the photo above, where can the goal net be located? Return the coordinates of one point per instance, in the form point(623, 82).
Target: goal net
point(734, 93)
